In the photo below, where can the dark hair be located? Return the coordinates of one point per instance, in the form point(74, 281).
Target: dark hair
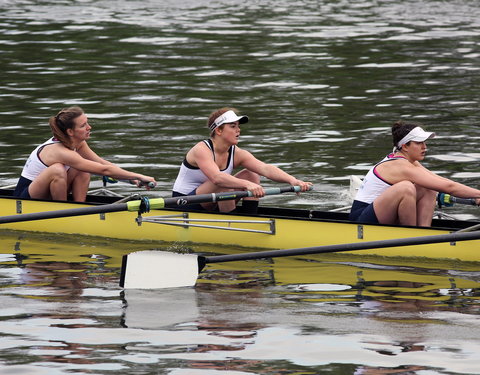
point(63, 120)
point(217, 113)
point(401, 128)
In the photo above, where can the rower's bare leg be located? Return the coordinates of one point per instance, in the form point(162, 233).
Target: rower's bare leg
point(230, 205)
point(78, 183)
point(397, 204)
point(226, 206)
point(250, 204)
point(426, 201)
point(209, 187)
point(51, 183)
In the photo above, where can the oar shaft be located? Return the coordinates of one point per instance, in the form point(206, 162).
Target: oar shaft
point(411, 241)
point(137, 205)
point(467, 201)
point(228, 195)
point(448, 200)
point(64, 213)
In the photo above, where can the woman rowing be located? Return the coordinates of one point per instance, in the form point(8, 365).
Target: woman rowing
point(63, 164)
point(208, 166)
point(398, 189)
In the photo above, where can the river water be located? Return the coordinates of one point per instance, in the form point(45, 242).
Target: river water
point(322, 82)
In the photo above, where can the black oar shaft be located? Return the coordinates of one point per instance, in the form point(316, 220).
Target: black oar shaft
point(411, 241)
point(229, 195)
point(139, 205)
point(193, 199)
point(467, 201)
point(116, 207)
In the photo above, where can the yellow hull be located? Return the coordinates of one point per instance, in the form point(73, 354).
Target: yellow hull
point(255, 232)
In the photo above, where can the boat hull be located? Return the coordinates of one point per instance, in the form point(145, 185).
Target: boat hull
point(272, 228)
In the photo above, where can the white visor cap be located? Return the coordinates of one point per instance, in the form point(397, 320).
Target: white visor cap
point(227, 118)
point(417, 135)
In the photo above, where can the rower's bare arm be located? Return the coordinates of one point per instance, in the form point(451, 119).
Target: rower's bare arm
point(75, 160)
point(269, 171)
point(140, 180)
point(430, 180)
point(86, 152)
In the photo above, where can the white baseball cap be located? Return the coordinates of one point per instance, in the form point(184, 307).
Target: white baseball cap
point(227, 118)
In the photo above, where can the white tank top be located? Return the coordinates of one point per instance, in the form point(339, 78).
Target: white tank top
point(373, 184)
point(190, 177)
point(34, 165)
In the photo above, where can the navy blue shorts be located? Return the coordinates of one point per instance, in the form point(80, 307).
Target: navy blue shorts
point(21, 190)
point(363, 212)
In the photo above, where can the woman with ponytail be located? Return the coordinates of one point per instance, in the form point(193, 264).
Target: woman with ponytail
point(63, 164)
point(398, 189)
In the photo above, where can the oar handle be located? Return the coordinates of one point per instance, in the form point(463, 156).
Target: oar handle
point(448, 200)
point(149, 184)
point(111, 180)
point(281, 190)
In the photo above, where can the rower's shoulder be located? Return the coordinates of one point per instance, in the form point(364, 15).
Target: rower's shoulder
point(200, 146)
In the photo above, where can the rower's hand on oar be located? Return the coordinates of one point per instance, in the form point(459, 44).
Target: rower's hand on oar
point(304, 185)
point(257, 190)
point(147, 182)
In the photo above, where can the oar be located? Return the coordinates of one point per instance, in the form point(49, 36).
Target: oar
point(143, 205)
point(448, 200)
point(111, 180)
point(160, 269)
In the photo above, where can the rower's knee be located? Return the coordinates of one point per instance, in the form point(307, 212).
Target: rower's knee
point(249, 175)
point(406, 189)
point(57, 172)
point(425, 193)
point(83, 177)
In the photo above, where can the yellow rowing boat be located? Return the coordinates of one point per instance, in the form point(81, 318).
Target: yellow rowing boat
point(271, 228)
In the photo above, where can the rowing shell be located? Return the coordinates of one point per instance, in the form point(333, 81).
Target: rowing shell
point(271, 228)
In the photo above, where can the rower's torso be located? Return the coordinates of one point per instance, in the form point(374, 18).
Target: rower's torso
point(219, 155)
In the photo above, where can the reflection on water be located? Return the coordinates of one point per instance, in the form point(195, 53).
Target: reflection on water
point(62, 308)
point(155, 309)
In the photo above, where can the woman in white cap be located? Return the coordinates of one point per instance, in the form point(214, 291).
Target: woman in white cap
point(208, 166)
point(398, 189)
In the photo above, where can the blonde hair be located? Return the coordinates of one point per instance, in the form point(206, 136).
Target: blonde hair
point(62, 121)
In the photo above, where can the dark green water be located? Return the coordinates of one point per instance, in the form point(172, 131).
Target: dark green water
point(322, 82)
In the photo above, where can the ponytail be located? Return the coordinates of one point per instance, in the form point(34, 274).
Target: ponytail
point(62, 121)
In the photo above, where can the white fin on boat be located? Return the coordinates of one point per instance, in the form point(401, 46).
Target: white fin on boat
point(355, 183)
